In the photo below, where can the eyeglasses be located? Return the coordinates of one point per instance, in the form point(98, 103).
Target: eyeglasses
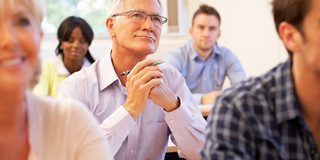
point(140, 16)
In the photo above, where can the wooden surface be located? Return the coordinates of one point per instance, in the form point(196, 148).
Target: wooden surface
point(205, 109)
point(171, 147)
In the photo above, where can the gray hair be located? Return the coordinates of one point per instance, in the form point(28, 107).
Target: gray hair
point(116, 6)
point(36, 8)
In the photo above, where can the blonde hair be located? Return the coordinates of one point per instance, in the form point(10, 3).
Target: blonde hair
point(36, 8)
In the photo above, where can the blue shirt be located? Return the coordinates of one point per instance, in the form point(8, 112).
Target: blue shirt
point(260, 119)
point(205, 75)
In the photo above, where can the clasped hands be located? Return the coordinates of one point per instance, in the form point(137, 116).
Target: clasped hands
point(145, 82)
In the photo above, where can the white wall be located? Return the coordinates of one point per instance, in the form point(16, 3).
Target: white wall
point(251, 34)
point(247, 29)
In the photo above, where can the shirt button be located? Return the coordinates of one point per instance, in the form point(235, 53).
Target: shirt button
point(204, 79)
point(313, 151)
point(131, 151)
point(171, 121)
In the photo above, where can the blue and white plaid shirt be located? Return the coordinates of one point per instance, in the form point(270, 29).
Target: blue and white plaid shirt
point(261, 119)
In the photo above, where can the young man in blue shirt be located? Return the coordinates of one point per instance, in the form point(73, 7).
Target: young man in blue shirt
point(203, 63)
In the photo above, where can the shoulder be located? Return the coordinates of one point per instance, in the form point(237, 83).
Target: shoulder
point(223, 51)
point(256, 97)
point(85, 75)
point(250, 95)
point(62, 123)
point(56, 113)
point(174, 56)
point(179, 56)
point(228, 56)
point(49, 106)
point(81, 84)
point(48, 62)
point(183, 50)
point(170, 71)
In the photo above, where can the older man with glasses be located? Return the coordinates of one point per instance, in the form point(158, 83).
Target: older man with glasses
point(140, 110)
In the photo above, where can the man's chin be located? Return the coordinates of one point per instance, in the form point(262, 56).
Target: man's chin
point(147, 49)
point(207, 46)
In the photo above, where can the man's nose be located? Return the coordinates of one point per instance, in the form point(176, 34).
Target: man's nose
point(148, 24)
point(206, 32)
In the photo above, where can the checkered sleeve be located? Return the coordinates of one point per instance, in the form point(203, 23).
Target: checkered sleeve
point(226, 134)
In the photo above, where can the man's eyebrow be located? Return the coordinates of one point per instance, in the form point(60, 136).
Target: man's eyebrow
point(200, 25)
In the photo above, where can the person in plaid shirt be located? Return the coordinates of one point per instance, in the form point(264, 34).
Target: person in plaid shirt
point(276, 115)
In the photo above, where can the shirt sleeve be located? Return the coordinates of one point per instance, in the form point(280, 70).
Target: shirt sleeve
point(116, 127)
point(226, 135)
point(186, 122)
point(87, 136)
point(173, 59)
point(42, 88)
point(235, 71)
point(67, 90)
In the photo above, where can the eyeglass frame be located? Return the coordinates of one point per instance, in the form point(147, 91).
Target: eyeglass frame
point(163, 19)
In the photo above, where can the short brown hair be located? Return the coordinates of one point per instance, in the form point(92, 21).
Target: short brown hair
point(292, 12)
point(206, 10)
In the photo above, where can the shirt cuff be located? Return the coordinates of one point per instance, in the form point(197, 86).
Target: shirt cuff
point(119, 122)
point(178, 118)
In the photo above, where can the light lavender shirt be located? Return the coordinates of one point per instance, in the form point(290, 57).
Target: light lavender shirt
point(99, 88)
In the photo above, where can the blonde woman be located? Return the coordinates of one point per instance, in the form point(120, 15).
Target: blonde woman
point(34, 127)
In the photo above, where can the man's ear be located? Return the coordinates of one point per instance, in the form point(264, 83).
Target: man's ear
point(290, 36)
point(110, 22)
point(190, 30)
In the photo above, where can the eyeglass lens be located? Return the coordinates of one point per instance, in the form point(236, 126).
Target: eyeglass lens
point(141, 17)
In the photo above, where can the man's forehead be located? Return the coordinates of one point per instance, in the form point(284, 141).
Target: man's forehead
point(212, 21)
point(148, 6)
point(206, 23)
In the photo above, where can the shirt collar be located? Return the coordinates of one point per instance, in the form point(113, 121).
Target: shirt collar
point(195, 55)
point(59, 66)
point(107, 72)
point(286, 100)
